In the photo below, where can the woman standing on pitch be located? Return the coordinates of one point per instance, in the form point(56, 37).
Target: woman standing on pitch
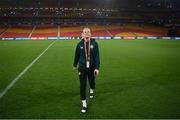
point(87, 59)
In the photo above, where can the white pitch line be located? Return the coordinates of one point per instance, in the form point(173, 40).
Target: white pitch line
point(22, 73)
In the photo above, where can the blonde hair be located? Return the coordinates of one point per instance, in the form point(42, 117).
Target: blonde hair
point(86, 28)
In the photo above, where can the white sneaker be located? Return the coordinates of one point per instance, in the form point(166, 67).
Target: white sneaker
point(84, 109)
point(91, 95)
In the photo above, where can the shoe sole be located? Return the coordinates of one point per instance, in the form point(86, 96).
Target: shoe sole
point(91, 97)
point(83, 111)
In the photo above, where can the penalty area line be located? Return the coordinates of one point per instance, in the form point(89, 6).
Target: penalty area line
point(3, 92)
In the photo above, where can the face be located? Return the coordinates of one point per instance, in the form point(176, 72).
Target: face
point(86, 34)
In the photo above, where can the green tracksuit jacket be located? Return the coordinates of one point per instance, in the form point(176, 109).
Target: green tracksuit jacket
point(80, 58)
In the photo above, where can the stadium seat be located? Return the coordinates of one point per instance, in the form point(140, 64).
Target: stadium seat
point(17, 31)
point(45, 31)
point(75, 31)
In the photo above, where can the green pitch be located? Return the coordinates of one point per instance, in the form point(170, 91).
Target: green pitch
point(138, 79)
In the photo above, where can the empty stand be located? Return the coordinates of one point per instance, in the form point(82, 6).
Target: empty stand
point(67, 31)
point(75, 31)
point(45, 31)
point(2, 30)
point(17, 31)
point(135, 30)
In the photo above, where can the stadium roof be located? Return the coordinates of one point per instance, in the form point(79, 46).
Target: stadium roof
point(120, 4)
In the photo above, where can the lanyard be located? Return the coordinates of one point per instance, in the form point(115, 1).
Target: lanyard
point(87, 52)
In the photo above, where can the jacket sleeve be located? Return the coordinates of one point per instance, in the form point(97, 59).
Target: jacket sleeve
point(77, 56)
point(97, 58)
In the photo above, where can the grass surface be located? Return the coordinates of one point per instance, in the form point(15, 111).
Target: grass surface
point(138, 79)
